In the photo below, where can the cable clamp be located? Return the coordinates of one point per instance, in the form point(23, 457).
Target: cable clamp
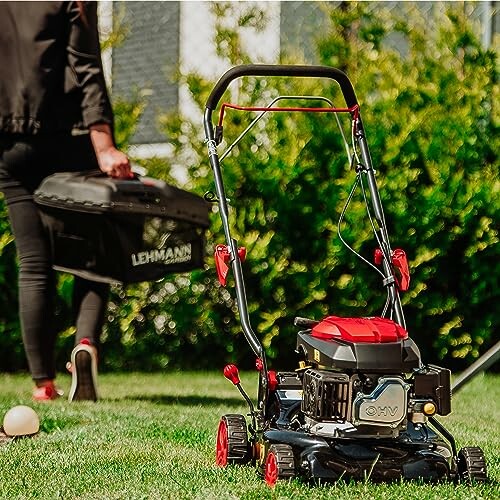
point(360, 168)
point(389, 281)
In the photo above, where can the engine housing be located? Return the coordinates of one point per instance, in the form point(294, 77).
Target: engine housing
point(341, 404)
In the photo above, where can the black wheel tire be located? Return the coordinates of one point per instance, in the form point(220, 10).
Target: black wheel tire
point(279, 464)
point(471, 465)
point(232, 441)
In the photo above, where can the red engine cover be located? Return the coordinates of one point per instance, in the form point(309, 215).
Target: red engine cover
point(375, 330)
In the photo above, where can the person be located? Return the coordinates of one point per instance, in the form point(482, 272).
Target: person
point(55, 115)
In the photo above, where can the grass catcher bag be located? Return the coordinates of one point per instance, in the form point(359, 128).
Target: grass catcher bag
point(115, 230)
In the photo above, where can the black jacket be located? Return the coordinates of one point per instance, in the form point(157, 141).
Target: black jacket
point(51, 76)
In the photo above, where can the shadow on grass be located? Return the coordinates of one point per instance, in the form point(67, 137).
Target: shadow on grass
point(193, 400)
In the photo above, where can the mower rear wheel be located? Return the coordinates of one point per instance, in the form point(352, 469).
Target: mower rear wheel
point(471, 465)
point(232, 441)
point(280, 463)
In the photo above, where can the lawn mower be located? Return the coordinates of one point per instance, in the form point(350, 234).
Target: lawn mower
point(360, 404)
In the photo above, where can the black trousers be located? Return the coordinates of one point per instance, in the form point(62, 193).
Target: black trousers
point(24, 162)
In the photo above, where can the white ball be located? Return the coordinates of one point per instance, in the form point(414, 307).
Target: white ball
point(21, 421)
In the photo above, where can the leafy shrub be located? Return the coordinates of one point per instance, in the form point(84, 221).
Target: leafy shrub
point(433, 137)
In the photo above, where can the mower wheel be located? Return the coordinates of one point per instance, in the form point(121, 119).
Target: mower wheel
point(232, 441)
point(471, 465)
point(280, 463)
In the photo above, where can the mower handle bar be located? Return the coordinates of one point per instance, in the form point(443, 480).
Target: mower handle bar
point(282, 70)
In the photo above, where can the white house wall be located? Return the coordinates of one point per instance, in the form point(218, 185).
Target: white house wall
point(198, 52)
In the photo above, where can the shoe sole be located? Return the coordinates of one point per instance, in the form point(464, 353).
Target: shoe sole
point(83, 386)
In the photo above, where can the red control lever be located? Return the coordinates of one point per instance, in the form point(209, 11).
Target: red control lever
point(232, 374)
point(400, 262)
point(222, 257)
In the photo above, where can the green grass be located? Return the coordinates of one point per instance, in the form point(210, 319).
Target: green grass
point(152, 436)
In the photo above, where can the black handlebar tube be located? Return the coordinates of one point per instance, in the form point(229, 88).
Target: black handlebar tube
point(282, 70)
point(233, 248)
point(241, 299)
point(379, 216)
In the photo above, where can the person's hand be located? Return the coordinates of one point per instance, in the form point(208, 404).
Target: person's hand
point(111, 160)
point(114, 163)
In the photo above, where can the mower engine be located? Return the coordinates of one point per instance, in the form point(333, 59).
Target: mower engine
point(360, 403)
point(341, 405)
point(356, 383)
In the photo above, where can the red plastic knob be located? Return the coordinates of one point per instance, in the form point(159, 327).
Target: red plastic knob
point(242, 253)
point(272, 380)
point(231, 373)
point(259, 364)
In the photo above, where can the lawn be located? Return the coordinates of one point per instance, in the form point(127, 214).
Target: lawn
point(152, 436)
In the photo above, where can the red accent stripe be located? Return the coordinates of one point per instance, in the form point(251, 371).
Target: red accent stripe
point(354, 110)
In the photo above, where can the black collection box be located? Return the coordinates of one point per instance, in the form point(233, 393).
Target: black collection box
point(125, 231)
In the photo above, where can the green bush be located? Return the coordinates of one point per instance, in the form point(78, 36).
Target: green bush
point(433, 137)
point(12, 350)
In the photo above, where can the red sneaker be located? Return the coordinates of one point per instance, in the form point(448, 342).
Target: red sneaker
point(47, 392)
point(83, 372)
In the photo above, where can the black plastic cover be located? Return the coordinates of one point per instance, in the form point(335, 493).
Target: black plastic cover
point(125, 231)
point(434, 382)
point(327, 395)
point(388, 357)
point(95, 192)
point(415, 454)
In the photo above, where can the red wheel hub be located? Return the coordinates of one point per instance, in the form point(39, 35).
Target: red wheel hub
point(222, 445)
point(271, 469)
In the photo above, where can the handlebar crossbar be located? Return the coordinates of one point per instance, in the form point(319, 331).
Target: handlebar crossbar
point(282, 70)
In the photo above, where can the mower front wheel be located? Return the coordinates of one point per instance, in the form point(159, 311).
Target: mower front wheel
point(471, 465)
point(280, 463)
point(232, 441)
